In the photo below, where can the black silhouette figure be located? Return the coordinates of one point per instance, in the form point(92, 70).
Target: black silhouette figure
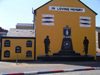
point(47, 45)
point(86, 43)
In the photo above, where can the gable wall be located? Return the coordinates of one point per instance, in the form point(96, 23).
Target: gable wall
point(61, 19)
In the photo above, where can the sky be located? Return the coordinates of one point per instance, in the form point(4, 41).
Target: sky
point(20, 11)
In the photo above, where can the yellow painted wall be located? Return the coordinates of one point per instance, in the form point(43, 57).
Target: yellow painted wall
point(13, 44)
point(63, 18)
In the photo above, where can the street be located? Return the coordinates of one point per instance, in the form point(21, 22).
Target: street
point(12, 67)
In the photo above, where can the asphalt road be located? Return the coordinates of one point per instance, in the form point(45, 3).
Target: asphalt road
point(12, 67)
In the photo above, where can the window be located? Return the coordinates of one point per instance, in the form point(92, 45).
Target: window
point(18, 49)
point(29, 44)
point(29, 54)
point(7, 53)
point(7, 43)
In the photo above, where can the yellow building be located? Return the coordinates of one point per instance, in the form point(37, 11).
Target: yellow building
point(20, 48)
point(50, 19)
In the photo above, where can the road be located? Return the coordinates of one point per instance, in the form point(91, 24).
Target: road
point(12, 67)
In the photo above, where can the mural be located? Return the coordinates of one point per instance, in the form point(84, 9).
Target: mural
point(66, 52)
point(65, 41)
point(67, 47)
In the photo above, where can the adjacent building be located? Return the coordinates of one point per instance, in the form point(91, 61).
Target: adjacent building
point(3, 32)
point(98, 43)
point(22, 30)
point(24, 26)
point(19, 43)
point(17, 48)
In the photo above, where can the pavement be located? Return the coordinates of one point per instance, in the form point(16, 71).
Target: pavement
point(92, 72)
point(12, 67)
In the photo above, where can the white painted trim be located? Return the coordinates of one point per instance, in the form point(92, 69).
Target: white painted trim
point(47, 19)
point(82, 21)
point(47, 15)
point(85, 17)
point(83, 25)
point(50, 24)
